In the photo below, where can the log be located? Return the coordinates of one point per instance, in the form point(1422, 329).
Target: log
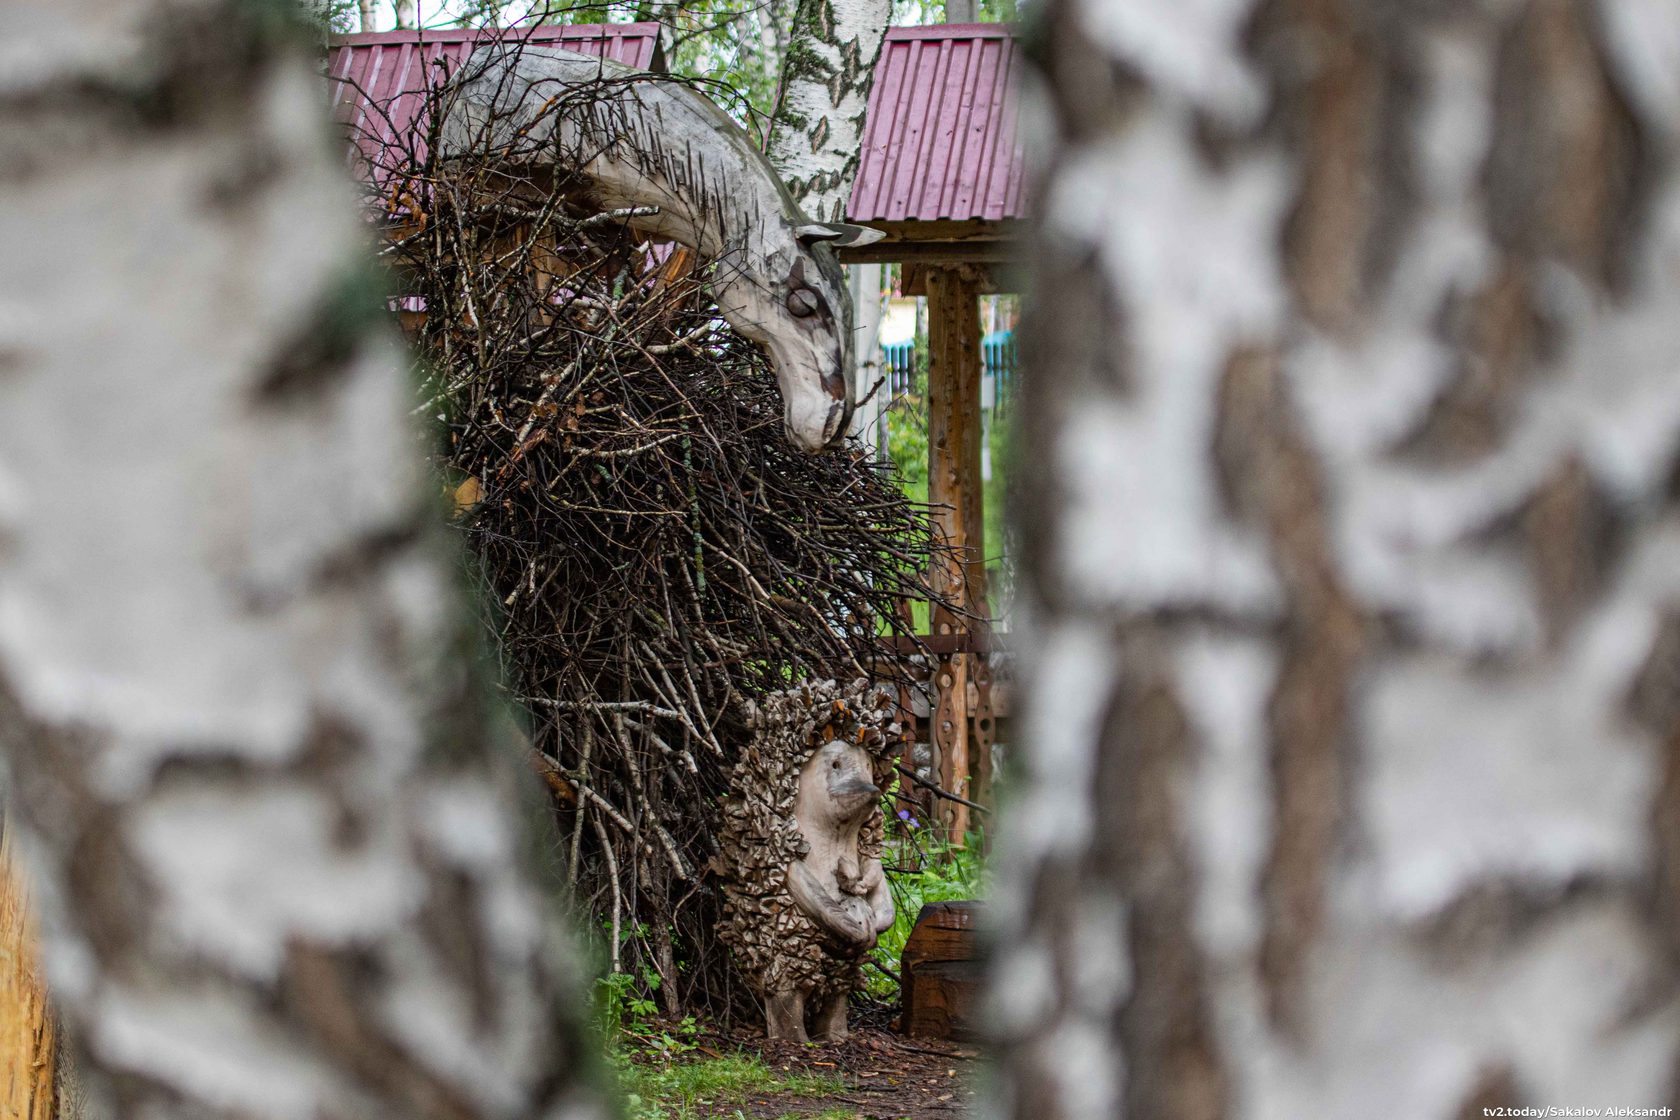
point(940, 968)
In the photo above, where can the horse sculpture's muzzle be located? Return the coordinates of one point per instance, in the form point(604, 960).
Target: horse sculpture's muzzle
point(839, 416)
point(816, 399)
point(834, 428)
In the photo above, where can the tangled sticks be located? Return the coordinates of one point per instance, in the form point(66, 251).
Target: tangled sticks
point(654, 551)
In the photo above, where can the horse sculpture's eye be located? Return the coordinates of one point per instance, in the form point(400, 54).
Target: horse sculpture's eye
point(802, 302)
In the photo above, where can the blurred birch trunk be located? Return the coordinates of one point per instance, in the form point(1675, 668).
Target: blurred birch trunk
point(1353, 564)
point(279, 869)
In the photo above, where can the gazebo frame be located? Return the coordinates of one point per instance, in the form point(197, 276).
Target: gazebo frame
point(941, 176)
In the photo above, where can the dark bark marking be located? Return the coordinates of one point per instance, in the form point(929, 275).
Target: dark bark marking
point(459, 945)
point(1565, 169)
point(1487, 918)
point(1497, 333)
point(320, 351)
point(1269, 476)
point(332, 747)
point(331, 994)
point(1173, 1068)
point(1654, 703)
point(1494, 1087)
point(1330, 84)
point(105, 885)
point(1570, 535)
point(242, 182)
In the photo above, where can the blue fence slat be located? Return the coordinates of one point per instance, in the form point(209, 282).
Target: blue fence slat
point(997, 355)
point(899, 362)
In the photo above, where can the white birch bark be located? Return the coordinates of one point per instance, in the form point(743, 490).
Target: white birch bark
point(817, 137)
point(1352, 565)
point(406, 15)
point(365, 9)
point(278, 860)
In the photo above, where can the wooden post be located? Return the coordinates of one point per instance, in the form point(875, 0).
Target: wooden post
point(954, 492)
point(28, 1044)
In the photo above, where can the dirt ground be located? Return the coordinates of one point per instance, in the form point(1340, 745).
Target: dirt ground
point(886, 1077)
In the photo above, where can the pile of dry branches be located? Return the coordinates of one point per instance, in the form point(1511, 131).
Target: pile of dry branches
point(654, 552)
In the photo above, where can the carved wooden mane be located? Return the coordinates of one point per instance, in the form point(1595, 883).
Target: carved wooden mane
point(638, 140)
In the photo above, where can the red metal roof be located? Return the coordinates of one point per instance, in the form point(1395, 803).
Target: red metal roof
point(376, 78)
point(939, 141)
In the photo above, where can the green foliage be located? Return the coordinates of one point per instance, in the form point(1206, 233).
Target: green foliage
point(668, 1090)
point(735, 47)
point(738, 45)
point(907, 427)
point(622, 1006)
point(328, 17)
point(997, 505)
point(907, 447)
point(909, 13)
point(907, 444)
point(921, 868)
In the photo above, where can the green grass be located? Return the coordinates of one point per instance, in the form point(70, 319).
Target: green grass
point(687, 1090)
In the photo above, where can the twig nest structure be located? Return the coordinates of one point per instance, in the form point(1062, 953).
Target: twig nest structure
point(801, 842)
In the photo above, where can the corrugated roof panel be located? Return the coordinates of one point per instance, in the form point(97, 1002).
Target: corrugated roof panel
point(912, 152)
point(889, 84)
point(939, 140)
point(377, 80)
point(980, 102)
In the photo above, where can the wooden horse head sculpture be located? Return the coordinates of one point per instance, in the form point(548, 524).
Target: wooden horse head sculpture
point(637, 141)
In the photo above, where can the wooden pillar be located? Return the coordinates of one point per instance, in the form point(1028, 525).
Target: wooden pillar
point(28, 1044)
point(954, 492)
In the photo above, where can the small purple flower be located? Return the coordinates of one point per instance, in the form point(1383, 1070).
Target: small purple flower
point(904, 814)
point(914, 823)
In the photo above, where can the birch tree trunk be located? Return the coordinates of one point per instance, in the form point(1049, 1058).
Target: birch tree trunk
point(365, 9)
point(817, 137)
point(274, 845)
point(1353, 565)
